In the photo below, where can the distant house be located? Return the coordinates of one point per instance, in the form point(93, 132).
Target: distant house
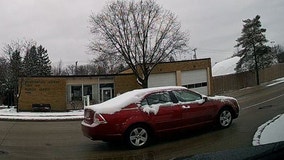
point(63, 93)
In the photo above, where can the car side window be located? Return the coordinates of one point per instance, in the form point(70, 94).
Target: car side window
point(186, 96)
point(157, 98)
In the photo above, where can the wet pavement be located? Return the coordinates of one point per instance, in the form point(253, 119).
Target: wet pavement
point(64, 139)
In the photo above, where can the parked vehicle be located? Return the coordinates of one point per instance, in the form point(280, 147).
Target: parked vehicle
point(136, 116)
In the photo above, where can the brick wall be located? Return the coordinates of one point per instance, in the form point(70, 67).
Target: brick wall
point(124, 83)
point(46, 90)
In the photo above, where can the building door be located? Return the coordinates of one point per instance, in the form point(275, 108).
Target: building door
point(106, 93)
point(196, 80)
point(162, 79)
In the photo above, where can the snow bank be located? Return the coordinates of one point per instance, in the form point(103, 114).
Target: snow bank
point(276, 81)
point(270, 132)
point(225, 67)
point(116, 104)
point(12, 114)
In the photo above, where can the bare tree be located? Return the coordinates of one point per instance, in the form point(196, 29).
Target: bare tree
point(58, 70)
point(141, 33)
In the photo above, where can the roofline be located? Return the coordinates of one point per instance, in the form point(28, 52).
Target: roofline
point(106, 75)
point(70, 76)
point(202, 59)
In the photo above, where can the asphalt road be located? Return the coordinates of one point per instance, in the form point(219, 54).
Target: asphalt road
point(64, 140)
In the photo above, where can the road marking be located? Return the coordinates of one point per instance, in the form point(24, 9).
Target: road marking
point(263, 102)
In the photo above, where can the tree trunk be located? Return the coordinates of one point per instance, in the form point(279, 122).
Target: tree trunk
point(256, 69)
point(145, 83)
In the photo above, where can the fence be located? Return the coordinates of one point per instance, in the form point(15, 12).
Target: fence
point(246, 79)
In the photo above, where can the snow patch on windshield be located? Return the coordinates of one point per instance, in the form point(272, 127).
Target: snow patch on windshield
point(116, 104)
point(270, 132)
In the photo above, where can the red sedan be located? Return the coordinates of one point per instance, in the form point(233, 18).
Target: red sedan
point(138, 115)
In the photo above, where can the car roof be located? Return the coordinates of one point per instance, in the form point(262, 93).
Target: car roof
point(135, 96)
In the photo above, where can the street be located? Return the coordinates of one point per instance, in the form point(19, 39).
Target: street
point(64, 139)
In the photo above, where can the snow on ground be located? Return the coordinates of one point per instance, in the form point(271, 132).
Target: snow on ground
point(12, 114)
point(225, 67)
point(270, 132)
point(276, 81)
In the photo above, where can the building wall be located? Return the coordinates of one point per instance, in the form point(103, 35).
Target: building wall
point(190, 65)
point(60, 92)
point(46, 90)
point(183, 65)
point(180, 67)
point(124, 83)
point(95, 85)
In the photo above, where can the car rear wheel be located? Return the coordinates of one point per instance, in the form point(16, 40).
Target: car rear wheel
point(225, 118)
point(138, 136)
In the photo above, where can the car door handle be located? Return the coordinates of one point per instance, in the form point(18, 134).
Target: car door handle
point(185, 107)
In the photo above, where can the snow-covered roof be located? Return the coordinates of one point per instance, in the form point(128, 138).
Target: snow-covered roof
point(116, 104)
point(225, 67)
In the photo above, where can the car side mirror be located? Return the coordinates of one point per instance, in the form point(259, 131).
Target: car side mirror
point(205, 98)
point(139, 104)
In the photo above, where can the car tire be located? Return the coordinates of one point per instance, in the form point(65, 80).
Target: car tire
point(225, 118)
point(137, 136)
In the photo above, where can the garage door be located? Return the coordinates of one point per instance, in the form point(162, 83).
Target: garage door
point(162, 79)
point(195, 80)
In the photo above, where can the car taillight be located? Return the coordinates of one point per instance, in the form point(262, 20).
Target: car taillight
point(99, 119)
point(88, 116)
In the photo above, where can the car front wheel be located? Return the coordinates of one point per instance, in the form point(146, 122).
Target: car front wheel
point(138, 136)
point(225, 118)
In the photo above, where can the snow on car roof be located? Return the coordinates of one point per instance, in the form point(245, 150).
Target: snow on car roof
point(116, 104)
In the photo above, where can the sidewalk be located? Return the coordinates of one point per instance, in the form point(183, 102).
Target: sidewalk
point(12, 114)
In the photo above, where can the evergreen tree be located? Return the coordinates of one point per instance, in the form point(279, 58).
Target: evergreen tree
point(44, 62)
point(36, 62)
point(254, 53)
point(3, 77)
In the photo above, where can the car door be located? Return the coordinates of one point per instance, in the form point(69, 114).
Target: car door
point(162, 113)
point(195, 110)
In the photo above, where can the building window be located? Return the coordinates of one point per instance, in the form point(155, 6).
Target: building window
point(196, 85)
point(76, 93)
point(97, 92)
point(88, 91)
point(106, 91)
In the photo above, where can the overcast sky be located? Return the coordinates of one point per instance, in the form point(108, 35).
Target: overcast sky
point(62, 26)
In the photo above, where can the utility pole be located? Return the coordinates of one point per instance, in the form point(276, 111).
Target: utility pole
point(194, 55)
point(76, 65)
